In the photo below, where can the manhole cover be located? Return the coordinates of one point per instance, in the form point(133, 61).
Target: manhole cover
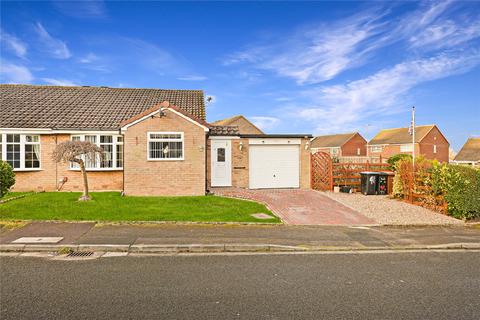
point(29, 240)
point(262, 216)
point(79, 254)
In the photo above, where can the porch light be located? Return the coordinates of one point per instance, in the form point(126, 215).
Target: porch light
point(240, 146)
point(307, 145)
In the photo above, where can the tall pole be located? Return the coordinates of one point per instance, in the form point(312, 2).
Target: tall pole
point(413, 137)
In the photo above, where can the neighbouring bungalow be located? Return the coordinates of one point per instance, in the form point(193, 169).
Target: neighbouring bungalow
point(470, 153)
point(429, 142)
point(340, 145)
point(156, 142)
point(243, 124)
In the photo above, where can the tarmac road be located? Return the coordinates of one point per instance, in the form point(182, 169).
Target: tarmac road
point(421, 285)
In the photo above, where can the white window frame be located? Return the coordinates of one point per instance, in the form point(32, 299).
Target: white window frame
point(115, 142)
point(434, 148)
point(182, 140)
point(335, 151)
point(22, 143)
point(406, 147)
point(376, 149)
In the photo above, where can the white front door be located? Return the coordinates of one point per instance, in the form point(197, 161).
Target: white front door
point(221, 153)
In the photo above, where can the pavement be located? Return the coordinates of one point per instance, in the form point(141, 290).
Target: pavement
point(300, 207)
point(171, 238)
point(427, 285)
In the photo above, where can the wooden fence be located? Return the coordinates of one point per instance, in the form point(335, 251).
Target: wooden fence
point(348, 173)
point(418, 192)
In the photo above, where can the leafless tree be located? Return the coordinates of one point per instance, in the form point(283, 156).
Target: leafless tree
point(77, 152)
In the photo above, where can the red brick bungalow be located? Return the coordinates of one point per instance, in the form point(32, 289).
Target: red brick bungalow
point(156, 142)
point(345, 144)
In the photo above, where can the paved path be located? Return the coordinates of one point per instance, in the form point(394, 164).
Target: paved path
point(328, 286)
point(301, 207)
point(309, 236)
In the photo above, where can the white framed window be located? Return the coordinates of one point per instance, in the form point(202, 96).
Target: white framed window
point(21, 151)
point(335, 151)
point(406, 147)
point(434, 148)
point(112, 146)
point(376, 149)
point(165, 146)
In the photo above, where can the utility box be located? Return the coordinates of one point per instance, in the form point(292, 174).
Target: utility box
point(369, 182)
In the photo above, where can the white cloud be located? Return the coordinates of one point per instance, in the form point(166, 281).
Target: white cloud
point(265, 123)
point(12, 43)
point(82, 9)
point(89, 58)
point(342, 107)
point(192, 78)
point(13, 73)
point(55, 47)
point(319, 53)
point(59, 82)
point(314, 54)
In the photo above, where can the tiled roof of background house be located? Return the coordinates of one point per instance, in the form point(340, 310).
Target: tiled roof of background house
point(332, 140)
point(232, 120)
point(400, 135)
point(470, 151)
point(223, 130)
point(81, 108)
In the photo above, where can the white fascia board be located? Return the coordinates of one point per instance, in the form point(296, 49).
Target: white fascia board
point(271, 141)
point(223, 137)
point(52, 131)
point(124, 128)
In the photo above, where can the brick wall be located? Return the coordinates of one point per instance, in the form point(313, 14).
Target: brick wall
point(350, 148)
point(171, 177)
point(434, 137)
point(46, 179)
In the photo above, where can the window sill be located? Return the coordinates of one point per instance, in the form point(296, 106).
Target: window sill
point(27, 169)
point(179, 159)
point(99, 169)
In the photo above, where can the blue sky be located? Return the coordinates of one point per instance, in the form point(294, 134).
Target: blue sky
point(313, 67)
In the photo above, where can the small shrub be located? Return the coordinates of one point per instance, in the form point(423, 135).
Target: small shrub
point(392, 161)
point(7, 178)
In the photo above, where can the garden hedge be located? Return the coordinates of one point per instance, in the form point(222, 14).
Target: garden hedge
point(7, 178)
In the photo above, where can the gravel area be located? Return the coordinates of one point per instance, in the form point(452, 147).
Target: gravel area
point(390, 211)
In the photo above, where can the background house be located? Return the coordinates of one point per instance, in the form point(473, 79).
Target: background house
point(429, 142)
point(243, 124)
point(345, 144)
point(470, 153)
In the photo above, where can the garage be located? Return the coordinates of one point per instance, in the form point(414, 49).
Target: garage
point(274, 163)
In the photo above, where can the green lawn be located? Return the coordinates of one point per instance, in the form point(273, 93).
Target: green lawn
point(110, 206)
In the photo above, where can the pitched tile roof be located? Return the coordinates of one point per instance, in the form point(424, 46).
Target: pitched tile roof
point(223, 130)
point(332, 140)
point(86, 108)
point(470, 151)
point(400, 135)
point(232, 120)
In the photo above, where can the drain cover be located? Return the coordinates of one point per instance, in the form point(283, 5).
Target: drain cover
point(80, 254)
point(28, 240)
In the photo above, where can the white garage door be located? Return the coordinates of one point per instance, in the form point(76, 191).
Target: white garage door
point(274, 166)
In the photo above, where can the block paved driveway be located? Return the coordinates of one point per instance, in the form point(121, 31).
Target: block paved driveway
point(300, 207)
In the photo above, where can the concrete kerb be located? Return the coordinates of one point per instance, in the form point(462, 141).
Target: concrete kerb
point(223, 248)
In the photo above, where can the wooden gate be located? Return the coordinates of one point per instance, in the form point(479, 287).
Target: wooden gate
point(321, 171)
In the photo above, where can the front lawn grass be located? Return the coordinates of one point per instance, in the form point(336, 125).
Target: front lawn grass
point(110, 206)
